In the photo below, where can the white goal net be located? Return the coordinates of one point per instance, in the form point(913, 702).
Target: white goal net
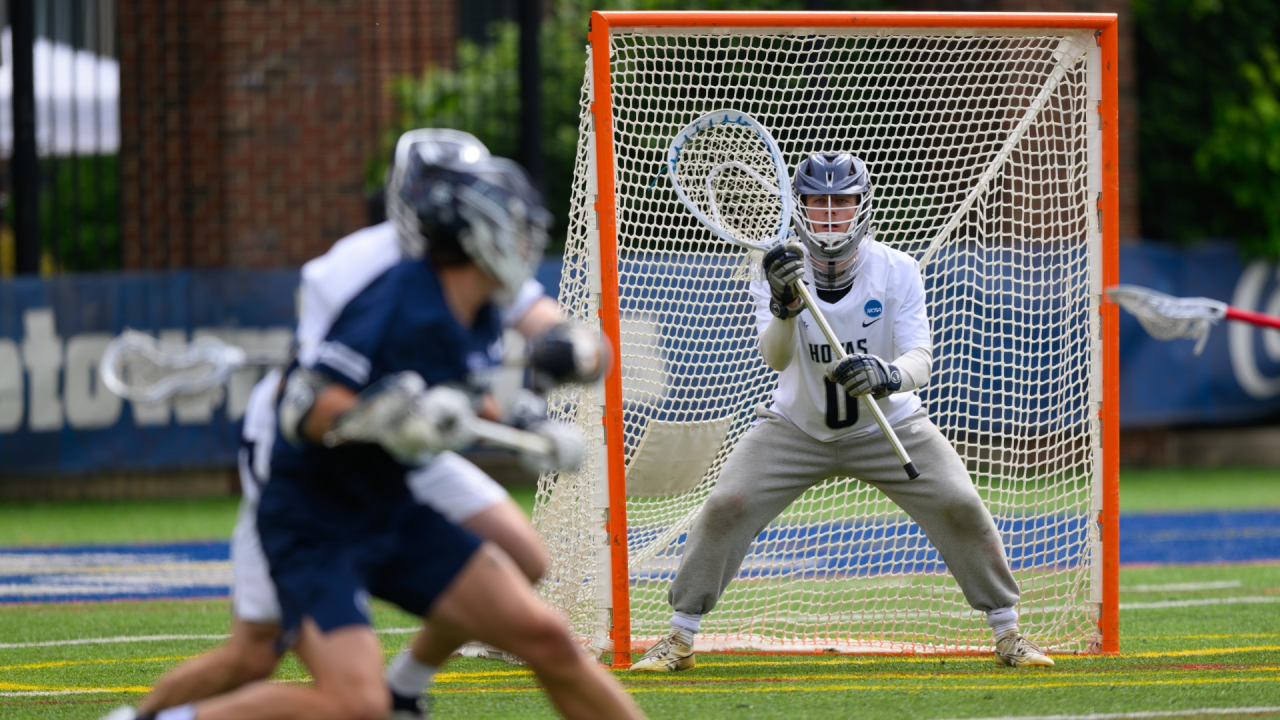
point(984, 148)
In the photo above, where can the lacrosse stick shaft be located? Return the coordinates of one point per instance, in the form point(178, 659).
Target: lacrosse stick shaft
point(838, 350)
point(495, 434)
point(1253, 318)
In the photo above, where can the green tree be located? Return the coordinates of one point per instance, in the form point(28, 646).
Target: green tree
point(480, 95)
point(1209, 130)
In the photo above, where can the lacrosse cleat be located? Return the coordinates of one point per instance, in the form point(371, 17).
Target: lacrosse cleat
point(122, 713)
point(1014, 650)
point(670, 654)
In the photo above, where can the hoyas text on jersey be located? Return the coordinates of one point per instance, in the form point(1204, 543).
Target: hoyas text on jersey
point(822, 353)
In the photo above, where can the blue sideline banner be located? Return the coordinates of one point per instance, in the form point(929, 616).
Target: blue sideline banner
point(1237, 377)
point(55, 416)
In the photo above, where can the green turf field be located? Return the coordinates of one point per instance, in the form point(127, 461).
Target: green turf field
point(1221, 653)
point(1196, 641)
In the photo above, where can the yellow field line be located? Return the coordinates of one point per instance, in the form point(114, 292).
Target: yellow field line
point(737, 688)
point(1002, 674)
point(1207, 651)
point(69, 663)
point(68, 688)
point(1201, 637)
point(711, 661)
point(769, 686)
point(773, 688)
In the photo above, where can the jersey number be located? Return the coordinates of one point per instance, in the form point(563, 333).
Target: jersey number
point(842, 410)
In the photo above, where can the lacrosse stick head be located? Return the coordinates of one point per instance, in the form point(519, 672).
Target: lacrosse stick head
point(136, 368)
point(1166, 317)
point(728, 171)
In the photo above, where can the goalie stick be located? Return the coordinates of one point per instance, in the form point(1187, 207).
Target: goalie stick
point(1167, 317)
point(728, 171)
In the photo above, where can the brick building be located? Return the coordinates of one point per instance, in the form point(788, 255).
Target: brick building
point(247, 125)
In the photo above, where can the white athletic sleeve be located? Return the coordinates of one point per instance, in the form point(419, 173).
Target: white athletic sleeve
point(915, 365)
point(530, 292)
point(911, 323)
point(777, 337)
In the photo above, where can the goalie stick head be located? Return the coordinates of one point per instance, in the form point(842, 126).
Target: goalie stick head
point(832, 194)
point(470, 207)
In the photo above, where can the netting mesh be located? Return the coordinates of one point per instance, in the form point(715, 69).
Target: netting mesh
point(979, 145)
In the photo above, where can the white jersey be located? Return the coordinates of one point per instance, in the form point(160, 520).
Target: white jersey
point(258, 435)
point(330, 281)
point(883, 314)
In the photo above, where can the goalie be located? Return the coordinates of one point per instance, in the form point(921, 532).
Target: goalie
point(873, 297)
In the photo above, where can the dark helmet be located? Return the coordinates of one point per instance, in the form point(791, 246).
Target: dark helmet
point(439, 145)
point(484, 205)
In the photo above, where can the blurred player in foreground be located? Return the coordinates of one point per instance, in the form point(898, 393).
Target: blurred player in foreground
point(874, 296)
point(339, 521)
point(452, 485)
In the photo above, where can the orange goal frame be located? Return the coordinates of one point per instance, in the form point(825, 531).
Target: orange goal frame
point(1105, 26)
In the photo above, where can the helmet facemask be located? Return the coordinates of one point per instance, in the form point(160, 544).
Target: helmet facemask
point(504, 233)
point(832, 193)
point(486, 210)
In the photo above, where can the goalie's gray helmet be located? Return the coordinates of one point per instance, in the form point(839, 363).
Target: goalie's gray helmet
point(434, 145)
point(481, 206)
point(833, 254)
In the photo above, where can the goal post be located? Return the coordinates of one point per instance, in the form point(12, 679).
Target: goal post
point(991, 139)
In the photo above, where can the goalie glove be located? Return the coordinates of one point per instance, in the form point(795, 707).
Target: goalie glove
point(783, 267)
point(862, 374)
point(567, 353)
point(567, 448)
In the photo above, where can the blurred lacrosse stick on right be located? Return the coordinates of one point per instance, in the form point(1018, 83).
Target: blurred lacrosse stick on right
point(1168, 318)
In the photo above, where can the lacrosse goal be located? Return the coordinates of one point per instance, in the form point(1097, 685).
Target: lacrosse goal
point(991, 142)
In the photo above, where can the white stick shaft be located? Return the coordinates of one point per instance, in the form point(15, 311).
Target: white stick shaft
point(504, 436)
point(837, 350)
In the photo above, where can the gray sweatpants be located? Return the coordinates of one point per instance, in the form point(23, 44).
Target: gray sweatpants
point(775, 462)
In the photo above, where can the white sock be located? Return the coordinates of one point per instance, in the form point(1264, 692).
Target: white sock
point(1003, 620)
point(407, 677)
point(182, 712)
point(686, 622)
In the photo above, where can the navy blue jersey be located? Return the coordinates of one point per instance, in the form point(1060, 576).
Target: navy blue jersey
point(398, 322)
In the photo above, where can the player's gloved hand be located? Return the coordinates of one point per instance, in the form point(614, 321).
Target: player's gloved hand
point(567, 448)
point(569, 352)
point(441, 418)
point(862, 374)
point(783, 267)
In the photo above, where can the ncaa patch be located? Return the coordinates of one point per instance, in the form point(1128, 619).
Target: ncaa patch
point(873, 308)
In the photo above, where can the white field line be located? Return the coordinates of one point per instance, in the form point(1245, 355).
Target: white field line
point(407, 630)
point(1244, 600)
point(1180, 587)
point(1145, 714)
point(156, 638)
